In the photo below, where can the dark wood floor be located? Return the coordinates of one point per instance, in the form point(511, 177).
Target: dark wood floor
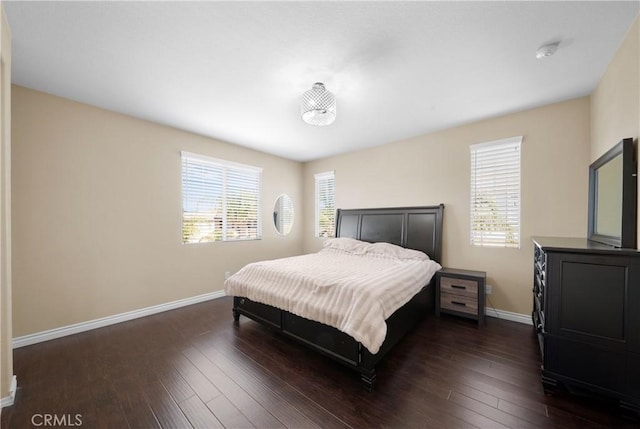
point(193, 367)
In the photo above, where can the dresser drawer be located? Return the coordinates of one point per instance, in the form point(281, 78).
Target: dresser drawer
point(460, 303)
point(457, 286)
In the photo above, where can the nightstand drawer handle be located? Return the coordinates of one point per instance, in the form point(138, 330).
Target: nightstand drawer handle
point(458, 287)
point(459, 303)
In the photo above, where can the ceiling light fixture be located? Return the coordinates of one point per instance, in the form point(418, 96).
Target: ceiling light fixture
point(547, 50)
point(318, 106)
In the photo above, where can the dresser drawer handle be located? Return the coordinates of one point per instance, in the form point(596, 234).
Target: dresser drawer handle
point(242, 301)
point(459, 303)
point(458, 287)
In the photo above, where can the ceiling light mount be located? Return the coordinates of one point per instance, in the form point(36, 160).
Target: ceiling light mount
point(547, 50)
point(318, 106)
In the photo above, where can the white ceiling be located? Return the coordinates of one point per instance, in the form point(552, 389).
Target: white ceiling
point(235, 70)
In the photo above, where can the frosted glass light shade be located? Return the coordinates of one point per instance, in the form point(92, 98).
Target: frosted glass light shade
point(318, 106)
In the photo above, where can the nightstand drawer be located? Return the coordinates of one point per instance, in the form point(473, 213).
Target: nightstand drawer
point(458, 286)
point(461, 292)
point(460, 303)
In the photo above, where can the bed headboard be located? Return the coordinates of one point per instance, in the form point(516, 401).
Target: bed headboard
point(418, 228)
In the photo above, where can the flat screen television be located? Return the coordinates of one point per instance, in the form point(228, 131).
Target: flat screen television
point(613, 197)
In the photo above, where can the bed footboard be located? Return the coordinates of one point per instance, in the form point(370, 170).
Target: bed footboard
point(336, 344)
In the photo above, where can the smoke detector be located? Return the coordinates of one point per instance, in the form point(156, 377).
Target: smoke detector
point(547, 50)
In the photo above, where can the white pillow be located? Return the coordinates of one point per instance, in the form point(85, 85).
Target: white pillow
point(393, 251)
point(357, 247)
point(350, 245)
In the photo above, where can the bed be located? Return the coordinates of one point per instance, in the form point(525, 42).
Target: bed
point(417, 228)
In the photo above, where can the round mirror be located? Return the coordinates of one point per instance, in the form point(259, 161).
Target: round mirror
point(283, 214)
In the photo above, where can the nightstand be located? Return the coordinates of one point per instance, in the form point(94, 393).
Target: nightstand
point(461, 292)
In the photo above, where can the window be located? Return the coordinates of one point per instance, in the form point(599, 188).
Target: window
point(325, 204)
point(220, 200)
point(495, 193)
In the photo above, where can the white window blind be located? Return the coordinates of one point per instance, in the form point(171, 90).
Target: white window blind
point(325, 204)
point(495, 193)
point(220, 200)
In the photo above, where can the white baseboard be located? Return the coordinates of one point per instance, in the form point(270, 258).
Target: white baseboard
point(63, 331)
point(8, 401)
point(507, 315)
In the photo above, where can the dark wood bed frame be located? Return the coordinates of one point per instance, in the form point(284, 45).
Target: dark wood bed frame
point(417, 228)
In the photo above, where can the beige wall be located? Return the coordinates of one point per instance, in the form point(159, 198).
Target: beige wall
point(615, 103)
point(96, 204)
point(434, 168)
point(6, 354)
point(97, 214)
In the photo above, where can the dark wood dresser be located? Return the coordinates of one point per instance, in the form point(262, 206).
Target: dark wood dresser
point(586, 311)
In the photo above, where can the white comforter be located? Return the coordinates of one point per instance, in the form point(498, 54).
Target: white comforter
point(350, 285)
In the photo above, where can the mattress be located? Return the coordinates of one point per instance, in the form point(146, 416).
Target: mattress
point(351, 285)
